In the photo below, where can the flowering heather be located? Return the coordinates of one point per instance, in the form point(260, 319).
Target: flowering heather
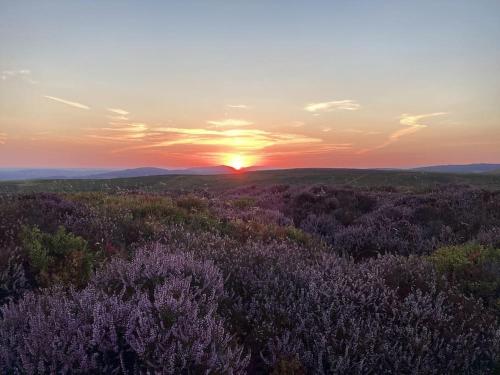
point(273, 280)
point(292, 305)
point(13, 280)
point(134, 317)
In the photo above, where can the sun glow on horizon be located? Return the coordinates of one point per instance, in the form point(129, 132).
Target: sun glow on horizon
point(238, 161)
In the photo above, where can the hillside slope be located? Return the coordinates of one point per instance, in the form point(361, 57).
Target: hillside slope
point(460, 168)
point(352, 177)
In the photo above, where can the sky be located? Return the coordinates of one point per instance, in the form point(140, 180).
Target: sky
point(258, 82)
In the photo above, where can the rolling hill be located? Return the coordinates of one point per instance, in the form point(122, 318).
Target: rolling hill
point(460, 168)
point(411, 180)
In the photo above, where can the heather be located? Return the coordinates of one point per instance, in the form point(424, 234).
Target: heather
point(155, 313)
point(274, 279)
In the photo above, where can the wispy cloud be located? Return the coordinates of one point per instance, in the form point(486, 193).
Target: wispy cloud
point(335, 105)
point(320, 149)
point(136, 136)
point(238, 106)
point(23, 74)
point(413, 120)
point(118, 114)
point(230, 122)
point(67, 102)
point(121, 132)
point(352, 131)
point(3, 138)
point(118, 118)
point(413, 125)
point(239, 139)
point(118, 111)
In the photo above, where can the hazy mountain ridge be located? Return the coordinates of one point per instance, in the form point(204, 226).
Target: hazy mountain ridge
point(55, 173)
point(152, 171)
point(48, 173)
point(12, 174)
point(461, 168)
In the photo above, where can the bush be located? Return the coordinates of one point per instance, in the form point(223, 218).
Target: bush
point(474, 268)
point(371, 237)
point(155, 314)
point(57, 258)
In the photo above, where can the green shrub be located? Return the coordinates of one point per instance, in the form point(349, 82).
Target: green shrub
point(57, 258)
point(474, 268)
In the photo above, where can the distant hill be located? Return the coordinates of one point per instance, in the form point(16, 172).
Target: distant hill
point(133, 172)
point(461, 168)
point(25, 174)
point(407, 180)
point(47, 173)
point(101, 174)
point(151, 171)
point(218, 169)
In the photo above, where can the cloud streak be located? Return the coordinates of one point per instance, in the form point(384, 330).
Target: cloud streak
point(230, 122)
point(67, 102)
point(413, 125)
point(118, 111)
point(239, 139)
point(238, 106)
point(3, 138)
point(335, 105)
point(140, 136)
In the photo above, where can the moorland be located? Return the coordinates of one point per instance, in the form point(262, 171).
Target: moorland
point(271, 272)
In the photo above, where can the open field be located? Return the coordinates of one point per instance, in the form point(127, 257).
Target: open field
point(350, 177)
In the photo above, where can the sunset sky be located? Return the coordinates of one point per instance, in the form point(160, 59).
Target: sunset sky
point(255, 82)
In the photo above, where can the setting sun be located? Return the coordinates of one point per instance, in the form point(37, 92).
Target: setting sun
point(236, 161)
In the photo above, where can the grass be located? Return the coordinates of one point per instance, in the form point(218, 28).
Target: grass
point(353, 177)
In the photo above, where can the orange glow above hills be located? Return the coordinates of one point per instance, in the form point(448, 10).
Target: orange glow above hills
point(238, 161)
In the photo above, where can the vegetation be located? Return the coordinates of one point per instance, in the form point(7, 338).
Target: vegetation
point(474, 268)
point(258, 279)
point(57, 258)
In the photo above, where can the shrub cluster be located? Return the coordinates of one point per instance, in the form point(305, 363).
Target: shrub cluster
point(474, 268)
point(154, 314)
point(58, 258)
